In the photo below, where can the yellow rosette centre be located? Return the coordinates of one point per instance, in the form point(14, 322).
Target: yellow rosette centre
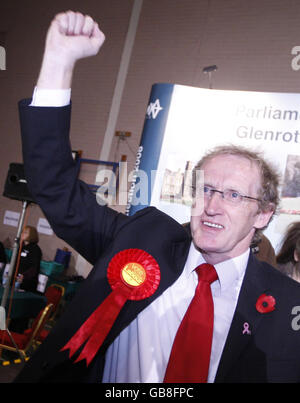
point(133, 274)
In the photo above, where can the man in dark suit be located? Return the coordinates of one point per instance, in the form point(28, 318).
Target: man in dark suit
point(255, 336)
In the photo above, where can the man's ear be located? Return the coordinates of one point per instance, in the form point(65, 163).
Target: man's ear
point(263, 217)
point(296, 256)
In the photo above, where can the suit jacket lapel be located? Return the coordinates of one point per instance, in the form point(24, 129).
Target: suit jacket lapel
point(245, 320)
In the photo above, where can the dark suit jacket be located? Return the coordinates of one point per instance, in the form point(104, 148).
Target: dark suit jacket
point(270, 353)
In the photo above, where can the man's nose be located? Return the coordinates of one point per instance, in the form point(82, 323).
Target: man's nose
point(214, 203)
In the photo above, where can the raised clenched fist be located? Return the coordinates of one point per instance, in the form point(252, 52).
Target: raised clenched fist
point(74, 36)
point(71, 36)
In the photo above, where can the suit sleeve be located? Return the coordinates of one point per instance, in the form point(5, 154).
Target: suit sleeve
point(52, 178)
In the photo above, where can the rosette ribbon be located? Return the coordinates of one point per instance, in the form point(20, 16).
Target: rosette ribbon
point(133, 274)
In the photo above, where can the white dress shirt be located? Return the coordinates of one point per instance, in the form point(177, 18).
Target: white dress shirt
point(55, 97)
point(141, 351)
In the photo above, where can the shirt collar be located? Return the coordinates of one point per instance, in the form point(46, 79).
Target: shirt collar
point(229, 271)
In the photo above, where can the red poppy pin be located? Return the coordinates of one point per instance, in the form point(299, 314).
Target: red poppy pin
point(265, 303)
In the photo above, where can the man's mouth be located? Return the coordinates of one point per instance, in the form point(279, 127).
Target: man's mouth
point(212, 225)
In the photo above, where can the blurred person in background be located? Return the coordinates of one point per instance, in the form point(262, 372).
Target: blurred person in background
point(288, 258)
point(30, 259)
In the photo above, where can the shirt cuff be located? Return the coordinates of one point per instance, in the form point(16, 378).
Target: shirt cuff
point(46, 97)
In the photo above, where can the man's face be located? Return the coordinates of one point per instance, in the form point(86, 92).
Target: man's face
point(223, 230)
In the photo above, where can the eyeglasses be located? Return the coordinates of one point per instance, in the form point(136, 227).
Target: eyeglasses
point(229, 195)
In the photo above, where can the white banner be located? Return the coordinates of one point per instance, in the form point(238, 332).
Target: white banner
point(43, 227)
point(200, 119)
point(11, 218)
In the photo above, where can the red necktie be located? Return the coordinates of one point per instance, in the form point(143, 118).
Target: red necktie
point(190, 355)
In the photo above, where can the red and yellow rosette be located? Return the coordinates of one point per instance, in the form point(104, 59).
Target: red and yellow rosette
point(133, 274)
